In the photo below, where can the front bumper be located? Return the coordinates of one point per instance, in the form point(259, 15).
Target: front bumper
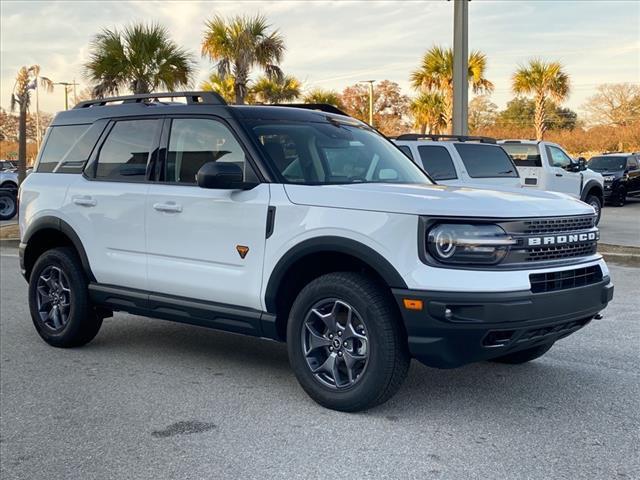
point(456, 328)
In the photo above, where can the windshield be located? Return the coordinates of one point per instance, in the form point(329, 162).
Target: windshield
point(485, 161)
point(523, 155)
point(334, 153)
point(603, 164)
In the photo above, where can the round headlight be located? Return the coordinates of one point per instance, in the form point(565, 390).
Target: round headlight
point(445, 243)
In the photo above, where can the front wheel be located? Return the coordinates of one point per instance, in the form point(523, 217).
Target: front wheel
point(345, 341)
point(524, 356)
point(596, 204)
point(59, 300)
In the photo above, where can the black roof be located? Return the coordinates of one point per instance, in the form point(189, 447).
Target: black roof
point(198, 103)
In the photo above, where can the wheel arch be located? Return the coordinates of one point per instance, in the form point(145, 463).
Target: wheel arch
point(46, 233)
point(313, 258)
point(592, 187)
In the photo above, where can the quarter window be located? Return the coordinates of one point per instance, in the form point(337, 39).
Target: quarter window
point(437, 163)
point(60, 141)
point(125, 153)
point(406, 150)
point(196, 141)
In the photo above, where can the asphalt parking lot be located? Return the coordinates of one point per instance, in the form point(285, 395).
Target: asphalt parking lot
point(153, 399)
point(621, 225)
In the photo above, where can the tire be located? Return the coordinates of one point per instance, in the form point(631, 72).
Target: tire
point(524, 356)
point(596, 204)
point(374, 342)
point(8, 205)
point(621, 198)
point(57, 280)
point(9, 186)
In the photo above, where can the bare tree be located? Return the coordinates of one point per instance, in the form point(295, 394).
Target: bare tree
point(615, 104)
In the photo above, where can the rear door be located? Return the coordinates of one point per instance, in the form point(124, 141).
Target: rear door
point(205, 244)
point(560, 178)
point(106, 205)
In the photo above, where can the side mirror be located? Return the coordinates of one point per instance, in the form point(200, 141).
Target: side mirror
point(222, 175)
point(582, 162)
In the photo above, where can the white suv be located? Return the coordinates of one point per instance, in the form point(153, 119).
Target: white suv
point(546, 166)
point(304, 226)
point(461, 161)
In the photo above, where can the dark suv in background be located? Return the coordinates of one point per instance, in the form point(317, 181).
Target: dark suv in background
point(621, 172)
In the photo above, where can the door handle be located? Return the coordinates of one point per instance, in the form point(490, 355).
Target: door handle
point(84, 200)
point(558, 174)
point(168, 207)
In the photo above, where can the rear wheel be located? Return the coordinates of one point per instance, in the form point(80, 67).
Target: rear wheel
point(524, 356)
point(59, 300)
point(8, 205)
point(345, 341)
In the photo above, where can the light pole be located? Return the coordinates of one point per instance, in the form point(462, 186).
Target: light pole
point(66, 91)
point(370, 82)
point(460, 67)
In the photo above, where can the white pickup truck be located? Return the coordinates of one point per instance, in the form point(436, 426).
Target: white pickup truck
point(546, 166)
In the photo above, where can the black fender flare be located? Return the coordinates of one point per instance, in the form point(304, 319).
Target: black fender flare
point(588, 186)
point(328, 244)
point(55, 223)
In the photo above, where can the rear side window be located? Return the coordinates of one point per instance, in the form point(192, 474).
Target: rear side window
point(485, 161)
point(125, 153)
point(406, 150)
point(437, 163)
point(61, 142)
point(523, 155)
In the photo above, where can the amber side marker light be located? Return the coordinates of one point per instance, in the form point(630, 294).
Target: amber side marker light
point(411, 304)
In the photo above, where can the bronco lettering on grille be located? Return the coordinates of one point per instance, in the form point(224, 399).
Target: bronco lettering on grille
point(562, 239)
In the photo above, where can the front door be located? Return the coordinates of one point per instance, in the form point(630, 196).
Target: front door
point(205, 244)
point(561, 179)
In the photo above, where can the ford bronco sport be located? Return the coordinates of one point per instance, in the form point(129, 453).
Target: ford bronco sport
point(296, 225)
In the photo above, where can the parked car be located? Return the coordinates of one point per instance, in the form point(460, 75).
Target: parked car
point(8, 180)
point(546, 166)
point(461, 160)
point(621, 172)
point(8, 165)
point(297, 225)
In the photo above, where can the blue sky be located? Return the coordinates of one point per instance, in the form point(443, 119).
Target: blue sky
point(335, 44)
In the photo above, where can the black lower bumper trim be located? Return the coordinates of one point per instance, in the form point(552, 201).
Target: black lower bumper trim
point(456, 328)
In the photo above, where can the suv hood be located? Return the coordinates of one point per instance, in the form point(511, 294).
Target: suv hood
point(437, 200)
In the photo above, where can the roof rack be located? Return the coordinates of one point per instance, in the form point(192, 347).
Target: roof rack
point(460, 138)
point(202, 98)
point(323, 107)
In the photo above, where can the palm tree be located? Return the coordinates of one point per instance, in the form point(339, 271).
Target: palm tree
point(318, 95)
point(240, 44)
point(225, 87)
point(28, 79)
point(428, 111)
point(543, 80)
point(141, 58)
point(435, 74)
point(267, 90)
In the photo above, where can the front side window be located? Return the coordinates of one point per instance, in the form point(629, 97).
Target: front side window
point(437, 163)
point(125, 153)
point(196, 141)
point(333, 152)
point(632, 163)
point(557, 158)
point(486, 161)
point(59, 141)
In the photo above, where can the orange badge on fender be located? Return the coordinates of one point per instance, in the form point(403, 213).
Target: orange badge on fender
point(242, 250)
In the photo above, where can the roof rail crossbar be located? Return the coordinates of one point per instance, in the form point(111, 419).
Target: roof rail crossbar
point(323, 107)
point(202, 98)
point(435, 137)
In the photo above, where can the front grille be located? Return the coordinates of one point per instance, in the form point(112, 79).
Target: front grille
point(562, 224)
point(554, 281)
point(560, 252)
